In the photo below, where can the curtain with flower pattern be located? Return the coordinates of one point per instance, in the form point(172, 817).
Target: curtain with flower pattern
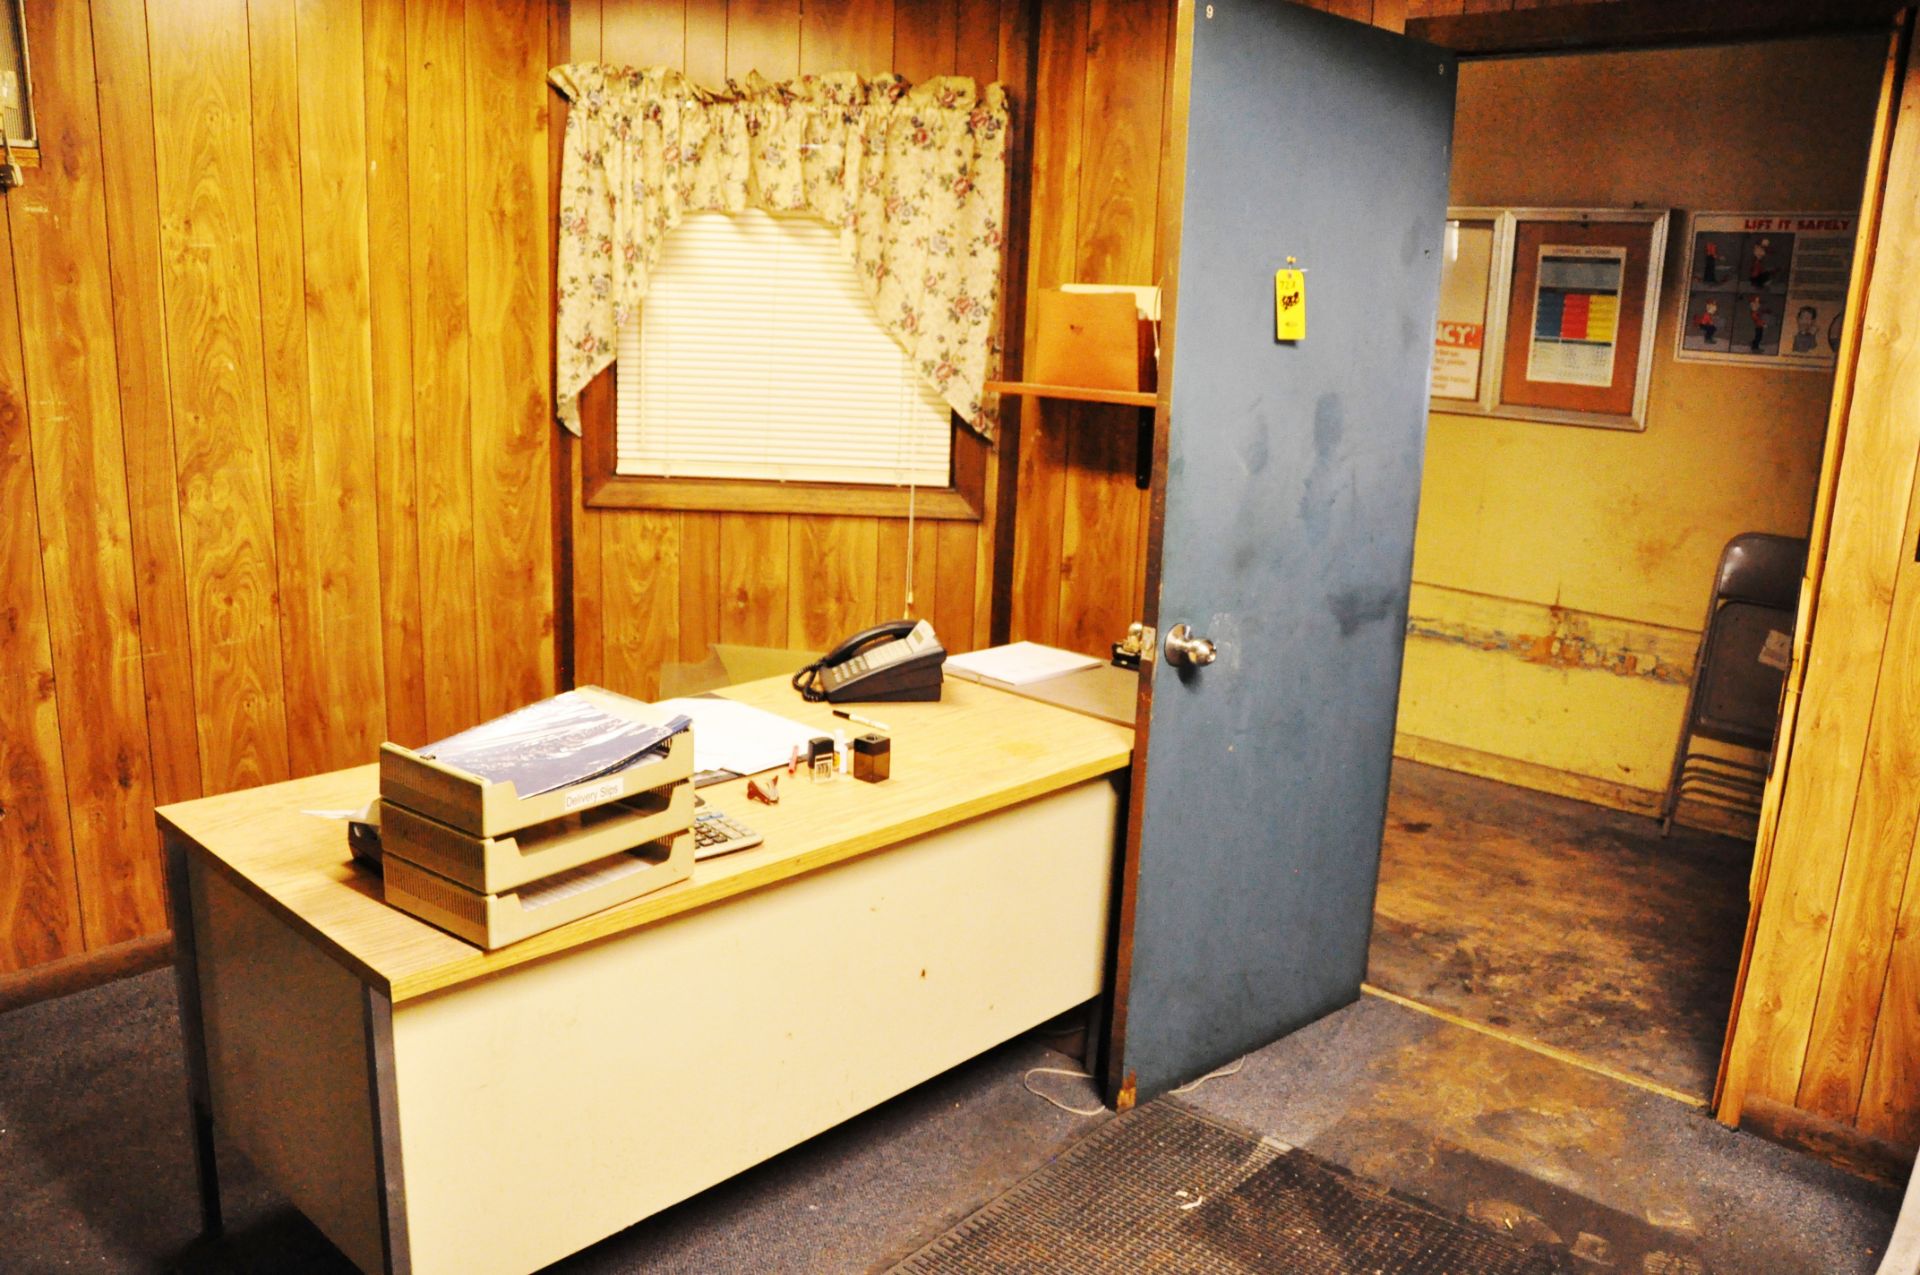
point(912, 176)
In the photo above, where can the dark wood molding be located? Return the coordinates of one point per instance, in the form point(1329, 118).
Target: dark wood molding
point(1635, 24)
point(964, 500)
point(1854, 1150)
point(1019, 38)
point(559, 37)
point(82, 970)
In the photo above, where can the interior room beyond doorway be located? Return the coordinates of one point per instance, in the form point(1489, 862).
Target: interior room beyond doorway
point(1561, 574)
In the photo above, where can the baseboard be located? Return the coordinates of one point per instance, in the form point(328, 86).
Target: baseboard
point(83, 970)
point(1563, 783)
point(1854, 1150)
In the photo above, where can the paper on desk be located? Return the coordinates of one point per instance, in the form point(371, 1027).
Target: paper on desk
point(728, 735)
point(1017, 665)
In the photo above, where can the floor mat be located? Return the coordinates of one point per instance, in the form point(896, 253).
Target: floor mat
point(1165, 1188)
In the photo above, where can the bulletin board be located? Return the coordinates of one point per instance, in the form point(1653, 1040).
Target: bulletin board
point(1765, 289)
point(1547, 314)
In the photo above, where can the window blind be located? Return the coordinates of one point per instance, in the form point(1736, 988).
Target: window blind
point(757, 355)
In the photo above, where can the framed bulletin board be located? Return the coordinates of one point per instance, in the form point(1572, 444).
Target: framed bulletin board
point(1473, 284)
point(1567, 332)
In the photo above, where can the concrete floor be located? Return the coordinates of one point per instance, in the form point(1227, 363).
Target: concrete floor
point(1561, 922)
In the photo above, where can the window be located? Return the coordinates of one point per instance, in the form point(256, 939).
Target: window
point(758, 378)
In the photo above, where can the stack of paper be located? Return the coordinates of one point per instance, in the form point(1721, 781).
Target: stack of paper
point(1020, 664)
point(738, 737)
point(561, 740)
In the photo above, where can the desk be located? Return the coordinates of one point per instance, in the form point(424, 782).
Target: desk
point(436, 1108)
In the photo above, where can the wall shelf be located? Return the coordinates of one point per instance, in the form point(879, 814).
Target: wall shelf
point(1084, 394)
point(1145, 400)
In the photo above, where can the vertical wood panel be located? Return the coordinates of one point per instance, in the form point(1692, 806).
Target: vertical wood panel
point(763, 36)
point(977, 31)
point(1060, 100)
point(835, 557)
point(443, 433)
point(204, 165)
point(926, 36)
point(642, 573)
point(58, 228)
point(1101, 572)
point(846, 35)
point(1888, 1108)
point(589, 636)
point(699, 587)
point(512, 421)
point(1867, 548)
point(133, 246)
point(1877, 848)
point(644, 32)
point(754, 580)
point(706, 42)
point(389, 239)
point(345, 561)
point(39, 898)
point(890, 575)
point(273, 47)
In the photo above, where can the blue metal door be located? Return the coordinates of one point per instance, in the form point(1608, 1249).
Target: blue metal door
point(1286, 479)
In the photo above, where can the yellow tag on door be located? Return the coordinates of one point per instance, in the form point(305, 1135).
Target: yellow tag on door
point(1290, 305)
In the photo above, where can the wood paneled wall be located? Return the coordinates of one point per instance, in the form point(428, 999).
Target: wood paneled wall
point(275, 435)
point(1079, 557)
point(1828, 1019)
point(653, 588)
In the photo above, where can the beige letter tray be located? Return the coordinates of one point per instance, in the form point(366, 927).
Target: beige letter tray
point(507, 862)
point(495, 920)
point(481, 808)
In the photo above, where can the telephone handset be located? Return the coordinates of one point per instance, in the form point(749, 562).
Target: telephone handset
point(892, 662)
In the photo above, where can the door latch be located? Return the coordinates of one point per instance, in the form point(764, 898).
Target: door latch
point(1138, 642)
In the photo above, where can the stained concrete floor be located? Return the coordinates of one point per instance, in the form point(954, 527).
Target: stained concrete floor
point(1561, 922)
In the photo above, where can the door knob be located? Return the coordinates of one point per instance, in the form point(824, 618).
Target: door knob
point(1183, 648)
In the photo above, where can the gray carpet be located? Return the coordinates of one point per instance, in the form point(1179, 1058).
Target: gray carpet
point(96, 1171)
point(98, 1175)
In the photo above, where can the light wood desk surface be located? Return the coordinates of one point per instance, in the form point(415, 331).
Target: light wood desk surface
point(977, 751)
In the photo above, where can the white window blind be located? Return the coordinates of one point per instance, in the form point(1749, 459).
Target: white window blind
point(757, 355)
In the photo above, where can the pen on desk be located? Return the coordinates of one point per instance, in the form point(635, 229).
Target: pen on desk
point(864, 721)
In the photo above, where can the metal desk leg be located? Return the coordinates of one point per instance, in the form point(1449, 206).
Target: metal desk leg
point(386, 1132)
point(193, 1036)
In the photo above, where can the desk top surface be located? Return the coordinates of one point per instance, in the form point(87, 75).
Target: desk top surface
point(977, 751)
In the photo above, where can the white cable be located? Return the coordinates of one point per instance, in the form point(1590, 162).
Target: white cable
point(1231, 1069)
point(1027, 1082)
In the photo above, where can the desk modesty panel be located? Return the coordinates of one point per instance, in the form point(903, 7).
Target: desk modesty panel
point(501, 1111)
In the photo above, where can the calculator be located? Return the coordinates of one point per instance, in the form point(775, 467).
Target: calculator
point(715, 833)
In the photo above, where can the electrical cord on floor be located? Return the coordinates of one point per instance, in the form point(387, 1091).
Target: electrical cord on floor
point(1026, 1081)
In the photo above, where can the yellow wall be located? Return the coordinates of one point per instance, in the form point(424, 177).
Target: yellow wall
point(1561, 573)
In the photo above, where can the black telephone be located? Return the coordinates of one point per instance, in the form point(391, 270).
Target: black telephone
point(892, 662)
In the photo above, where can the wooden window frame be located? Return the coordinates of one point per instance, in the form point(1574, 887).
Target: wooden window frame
point(962, 500)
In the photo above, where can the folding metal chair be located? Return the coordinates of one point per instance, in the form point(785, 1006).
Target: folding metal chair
point(1738, 673)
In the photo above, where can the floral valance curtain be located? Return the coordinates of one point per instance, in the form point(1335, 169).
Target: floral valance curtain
point(913, 177)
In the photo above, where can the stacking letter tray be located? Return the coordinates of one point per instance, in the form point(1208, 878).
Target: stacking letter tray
point(495, 920)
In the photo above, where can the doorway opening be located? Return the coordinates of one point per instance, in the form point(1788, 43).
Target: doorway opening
point(1562, 573)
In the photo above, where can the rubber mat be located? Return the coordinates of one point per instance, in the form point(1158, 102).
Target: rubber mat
point(1165, 1189)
